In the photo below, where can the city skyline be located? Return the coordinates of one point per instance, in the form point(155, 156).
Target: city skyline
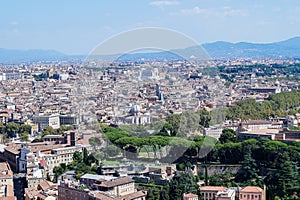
point(76, 28)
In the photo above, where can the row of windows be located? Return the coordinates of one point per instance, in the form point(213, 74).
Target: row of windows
point(59, 161)
point(126, 185)
point(126, 190)
point(248, 196)
point(207, 194)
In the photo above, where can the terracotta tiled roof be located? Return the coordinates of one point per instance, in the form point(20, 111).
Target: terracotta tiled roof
point(133, 195)
point(190, 195)
point(31, 193)
point(212, 188)
point(251, 189)
point(44, 185)
point(116, 182)
point(13, 150)
point(101, 196)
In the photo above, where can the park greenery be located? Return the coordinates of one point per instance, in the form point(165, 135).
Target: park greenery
point(263, 162)
point(261, 70)
point(277, 105)
point(83, 163)
point(12, 129)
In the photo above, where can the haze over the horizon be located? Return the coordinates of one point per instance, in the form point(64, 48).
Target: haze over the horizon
point(76, 27)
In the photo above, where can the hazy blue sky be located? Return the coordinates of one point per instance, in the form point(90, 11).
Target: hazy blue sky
point(76, 27)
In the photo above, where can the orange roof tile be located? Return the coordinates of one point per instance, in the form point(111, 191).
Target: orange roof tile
point(190, 195)
point(213, 188)
point(251, 189)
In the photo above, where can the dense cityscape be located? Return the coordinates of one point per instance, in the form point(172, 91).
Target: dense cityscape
point(150, 100)
point(195, 130)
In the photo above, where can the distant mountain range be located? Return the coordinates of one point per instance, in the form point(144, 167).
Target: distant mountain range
point(217, 50)
point(9, 56)
point(285, 49)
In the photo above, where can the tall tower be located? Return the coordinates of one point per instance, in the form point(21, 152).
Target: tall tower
point(157, 90)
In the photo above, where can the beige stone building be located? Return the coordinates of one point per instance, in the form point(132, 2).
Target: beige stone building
point(210, 192)
point(110, 189)
point(190, 196)
point(117, 187)
point(252, 193)
point(60, 155)
point(6, 181)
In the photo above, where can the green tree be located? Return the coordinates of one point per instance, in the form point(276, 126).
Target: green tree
point(95, 142)
point(24, 136)
point(99, 155)
point(112, 150)
point(249, 171)
point(48, 130)
point(182, 182)
point(153, 193)
point(5, 137)
point(157, 143)
point(205, 118)
point(165, 193)
point(64, 128)
point(91, 159)
point(189, 122)
point(77, 157)
point(230, 153)
point(138, 131)
point(284, 182)
point(228, 135)
point(2, 128)
point(12, 129)
point(217, 116)
point(174, 121)
point(85, 156)
point(25, 128)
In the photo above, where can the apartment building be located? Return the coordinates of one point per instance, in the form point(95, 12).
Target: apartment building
point(69, 190)
point(11, 154)
point(6, 181)
point(190, 196)
point(210, 192)
point(60, 155)
point(117, 187)
point(252, 193)
point(254, 125)
point(91, 179)
point(35, 173)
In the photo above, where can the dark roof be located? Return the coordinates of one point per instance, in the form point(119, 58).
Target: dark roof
point(116, 182)
point(134, 195)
